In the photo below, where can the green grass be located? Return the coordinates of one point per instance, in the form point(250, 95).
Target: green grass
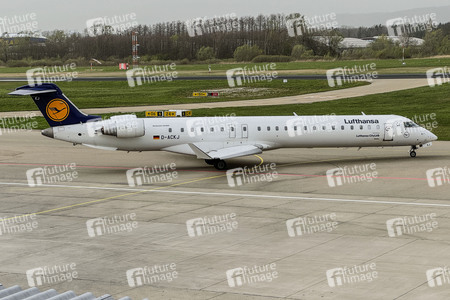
point(302, 65)
point(96, 94)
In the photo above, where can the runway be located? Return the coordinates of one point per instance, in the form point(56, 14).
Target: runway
point(87, 77)
point(263, 234)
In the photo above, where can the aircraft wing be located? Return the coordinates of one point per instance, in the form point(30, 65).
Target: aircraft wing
point(205, 152)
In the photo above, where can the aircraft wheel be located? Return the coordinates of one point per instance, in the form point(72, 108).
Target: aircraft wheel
point(220, 164)
point(209, 161)
point(413, 154)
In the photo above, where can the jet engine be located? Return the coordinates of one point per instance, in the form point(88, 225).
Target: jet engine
point(126, 126)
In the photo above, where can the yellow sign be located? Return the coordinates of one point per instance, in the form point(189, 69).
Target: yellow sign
point(170, 114)
point(58, 110)
point(153, 113)
point(187, 113)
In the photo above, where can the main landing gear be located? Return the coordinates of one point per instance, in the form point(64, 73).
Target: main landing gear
point(412, 151)
point(217, 163)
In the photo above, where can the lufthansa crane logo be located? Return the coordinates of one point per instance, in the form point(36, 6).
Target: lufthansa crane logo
point(57, 110)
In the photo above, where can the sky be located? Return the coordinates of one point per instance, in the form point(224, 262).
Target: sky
point(73, 15)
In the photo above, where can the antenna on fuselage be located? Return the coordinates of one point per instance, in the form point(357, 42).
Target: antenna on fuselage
point(363, 113)
point(295, 114)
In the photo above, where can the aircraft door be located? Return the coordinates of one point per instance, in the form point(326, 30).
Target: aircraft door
point(244, 130)
point(232, 129)
point(388, 132)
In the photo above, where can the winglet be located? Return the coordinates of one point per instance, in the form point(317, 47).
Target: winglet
point(200, 154)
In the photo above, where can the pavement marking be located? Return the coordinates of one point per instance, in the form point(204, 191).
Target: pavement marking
point(158, 190)
point(135, 192)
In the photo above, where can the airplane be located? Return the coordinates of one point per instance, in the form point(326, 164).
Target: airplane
point(216, 139)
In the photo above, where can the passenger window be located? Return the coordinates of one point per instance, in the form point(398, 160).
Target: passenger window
point(314, 128)
point(192, 129)
point(268, 128)
point(212, 129)
point(277, 128)
point(378, 126)
point(232, 128)
point(170, 129)
point(352, 127)
point(324, 128)
point(305, 128)
point(222, 129)
point(259, 128)
point(342, 127)
point(285, 128)
point(202, 129)
point(361, 127)
point(295, 128)
point(244, 129)
point(182, 129)
point(369, 127)
point(333, 127)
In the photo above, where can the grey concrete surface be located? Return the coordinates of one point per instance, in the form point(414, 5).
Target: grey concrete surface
point(362, 209)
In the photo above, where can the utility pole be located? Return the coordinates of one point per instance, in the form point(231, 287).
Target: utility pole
point(134, 49)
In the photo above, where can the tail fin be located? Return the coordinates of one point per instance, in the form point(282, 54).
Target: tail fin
point(57, 109)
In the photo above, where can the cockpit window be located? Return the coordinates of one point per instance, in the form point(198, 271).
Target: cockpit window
point(410, 125)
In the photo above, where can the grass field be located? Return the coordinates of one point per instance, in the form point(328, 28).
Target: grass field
point(95, 94)
point(420, 103)
point(297, 67)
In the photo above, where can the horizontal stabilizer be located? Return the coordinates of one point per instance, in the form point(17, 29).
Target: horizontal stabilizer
point(31, 91)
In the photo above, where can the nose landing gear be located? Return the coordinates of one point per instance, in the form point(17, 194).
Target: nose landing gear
point(412, 151)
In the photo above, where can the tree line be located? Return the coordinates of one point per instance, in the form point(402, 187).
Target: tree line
point(213, 39)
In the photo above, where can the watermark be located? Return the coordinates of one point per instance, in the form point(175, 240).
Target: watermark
point(210, 225)
point(18, 224)
point(438, 176)
point(427, 121)
point(151, 74)
point(251, 74)
point(438, 76)
point(111, 24)
point(211, 125)
point(298, 25)
point(311, 224)
point(411, 225)
point(298, 126)
point(19, 23)
point(52, 174)
point(111, 225)
point(199, 26)
point(405, 26)
point(151, 175)
point(251, 275)
point(37, 76)
point(152, 274)
point(15, 124)
point(121, 126)
point(339, 76)
point(438, 276)
point(352, 174)
point(52, 274)
point(351, 275)
point(261, 173)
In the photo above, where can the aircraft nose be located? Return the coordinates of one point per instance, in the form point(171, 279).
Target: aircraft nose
point(433, 137)
point(48, 132)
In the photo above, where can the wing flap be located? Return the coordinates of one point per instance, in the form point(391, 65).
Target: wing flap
point(225, 152)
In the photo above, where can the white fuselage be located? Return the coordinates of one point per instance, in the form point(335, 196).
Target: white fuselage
point(175, 134)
